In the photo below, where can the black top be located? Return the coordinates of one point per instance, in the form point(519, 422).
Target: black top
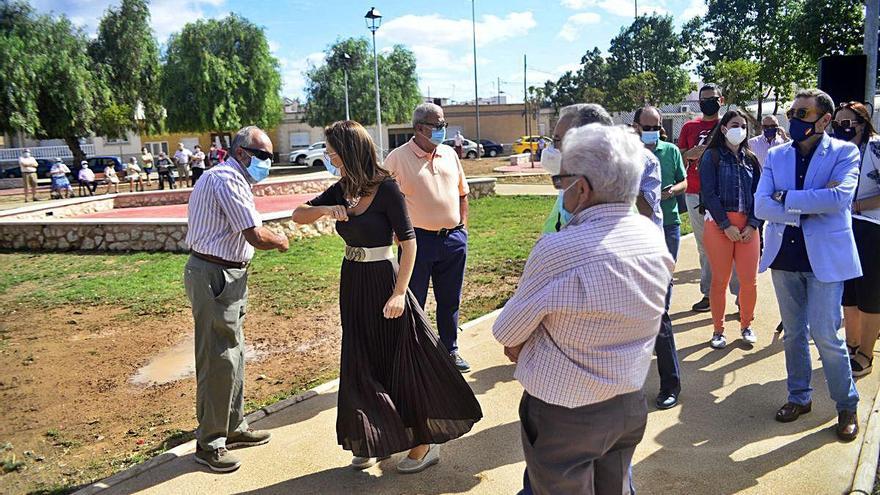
point(373, 227)
point(793, 255)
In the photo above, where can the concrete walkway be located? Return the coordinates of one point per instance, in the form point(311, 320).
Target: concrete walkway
point(722, 439)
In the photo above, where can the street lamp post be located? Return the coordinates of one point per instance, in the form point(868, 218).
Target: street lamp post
point(347, 58)
point(476, 90)
point(374, 19)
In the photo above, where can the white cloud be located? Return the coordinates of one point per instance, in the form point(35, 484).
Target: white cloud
point(293, 80)
point(617, 7)
point(697, 8)
point(562, 69)
point(572, 27)
point(436, 30)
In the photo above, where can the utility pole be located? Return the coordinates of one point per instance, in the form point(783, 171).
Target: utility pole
point(872, 18)
point(637, 9)
point(498, 101)
point(476, 90)
point(525, 95)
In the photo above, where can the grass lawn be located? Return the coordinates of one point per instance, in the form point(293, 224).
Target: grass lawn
point(502, 232)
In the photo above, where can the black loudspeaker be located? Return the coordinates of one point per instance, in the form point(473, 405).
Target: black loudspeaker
point(843, 77)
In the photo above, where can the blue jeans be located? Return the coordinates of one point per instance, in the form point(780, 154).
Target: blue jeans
point(811, 308)
point(664, 346)
point(441, 260)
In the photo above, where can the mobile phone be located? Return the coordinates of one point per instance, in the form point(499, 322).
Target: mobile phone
point(667, 188)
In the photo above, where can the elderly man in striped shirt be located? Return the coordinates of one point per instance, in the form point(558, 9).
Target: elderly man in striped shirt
point(582, 324)
point(224, 230)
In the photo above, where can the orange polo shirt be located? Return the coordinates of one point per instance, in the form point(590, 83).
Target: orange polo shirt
point(431, 182)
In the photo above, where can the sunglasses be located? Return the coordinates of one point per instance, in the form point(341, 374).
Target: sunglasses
point(560, 178)
point(651, 128)
point(711, 98)
point(801, 113)
point(438, 125)
point(261, 154)
point(844, 124)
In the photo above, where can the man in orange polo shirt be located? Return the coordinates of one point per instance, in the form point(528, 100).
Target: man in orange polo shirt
point(431, 178)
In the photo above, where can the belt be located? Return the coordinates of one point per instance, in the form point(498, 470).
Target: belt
point(220, 261)
point(444, 232)
point(364, 254)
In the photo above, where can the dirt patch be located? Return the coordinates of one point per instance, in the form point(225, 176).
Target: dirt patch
point(71, 412)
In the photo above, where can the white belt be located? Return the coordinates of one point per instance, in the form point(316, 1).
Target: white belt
point(364, 254)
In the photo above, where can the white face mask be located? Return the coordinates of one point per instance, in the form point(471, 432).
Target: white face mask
point(735, 135)
point(551, 160)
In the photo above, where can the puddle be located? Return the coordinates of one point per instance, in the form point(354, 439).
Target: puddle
point(177, 363)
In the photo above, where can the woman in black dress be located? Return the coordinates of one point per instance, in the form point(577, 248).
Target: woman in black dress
point(398, 388)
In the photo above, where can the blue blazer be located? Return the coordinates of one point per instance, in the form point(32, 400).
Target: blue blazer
point(821, 209)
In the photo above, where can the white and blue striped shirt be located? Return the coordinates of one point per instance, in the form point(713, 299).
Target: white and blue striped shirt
point(220, 207)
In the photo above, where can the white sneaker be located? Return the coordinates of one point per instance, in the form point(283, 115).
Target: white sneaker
point(718, 341)
point(358, 462)
point(411, 466)
point(749, 336)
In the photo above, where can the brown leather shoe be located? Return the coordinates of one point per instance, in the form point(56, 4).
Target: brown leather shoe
point(847, 426)
point(791, 411)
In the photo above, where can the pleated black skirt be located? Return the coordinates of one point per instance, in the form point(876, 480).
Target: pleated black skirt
point(398, 387)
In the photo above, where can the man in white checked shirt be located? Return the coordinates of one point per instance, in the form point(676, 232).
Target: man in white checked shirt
point(582, 324)
point(224, 229)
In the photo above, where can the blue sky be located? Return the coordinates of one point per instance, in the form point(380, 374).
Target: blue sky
point(554, 33)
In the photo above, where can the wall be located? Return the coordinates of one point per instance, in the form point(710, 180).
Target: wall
point(500, 123)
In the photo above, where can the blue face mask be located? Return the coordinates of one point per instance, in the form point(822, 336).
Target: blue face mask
point(650, 137)
point(330, 167)
point(801, 129)
point(259, 169)
point(438, 135)
point(564, 215)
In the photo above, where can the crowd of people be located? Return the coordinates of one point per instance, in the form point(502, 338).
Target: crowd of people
point(189, 165)
point(592, 306)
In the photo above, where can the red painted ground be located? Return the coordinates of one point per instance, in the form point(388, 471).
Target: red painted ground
point(265, 204)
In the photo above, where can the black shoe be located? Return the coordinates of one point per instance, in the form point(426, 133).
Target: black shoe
point(667, 400)
point(861, 364)
point(779, 328)
point(702, 306)
point(459, 362)
point(847, 425)
point(791, 411)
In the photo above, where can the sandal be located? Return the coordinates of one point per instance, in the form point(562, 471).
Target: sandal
point(858, 368)
point(851, 350)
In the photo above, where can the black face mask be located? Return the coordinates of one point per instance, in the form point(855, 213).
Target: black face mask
point(710, 107)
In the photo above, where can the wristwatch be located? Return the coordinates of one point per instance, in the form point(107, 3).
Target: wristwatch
point(779, 196)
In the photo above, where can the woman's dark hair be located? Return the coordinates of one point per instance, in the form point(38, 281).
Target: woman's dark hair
point(717, 139)
point(355, 148)
point(862, 116)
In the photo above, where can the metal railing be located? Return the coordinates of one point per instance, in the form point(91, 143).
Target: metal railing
point(12, 154)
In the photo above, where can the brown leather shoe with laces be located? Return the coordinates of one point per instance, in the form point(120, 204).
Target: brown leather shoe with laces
point(791, 411)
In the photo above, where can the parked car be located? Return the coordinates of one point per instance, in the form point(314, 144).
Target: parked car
point(528, 144)
point(469, 148)
point(491, 148)
point(306, 156)
point(43, 167)
point(97, 164)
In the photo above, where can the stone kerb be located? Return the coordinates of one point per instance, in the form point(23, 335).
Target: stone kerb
point(481, 187)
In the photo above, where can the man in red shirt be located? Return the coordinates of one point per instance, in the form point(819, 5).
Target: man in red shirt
point(692, 142)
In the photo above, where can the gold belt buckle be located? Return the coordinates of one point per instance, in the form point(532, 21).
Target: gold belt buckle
point(355, 253)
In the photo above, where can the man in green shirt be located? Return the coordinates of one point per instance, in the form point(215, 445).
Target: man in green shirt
point(647, 122)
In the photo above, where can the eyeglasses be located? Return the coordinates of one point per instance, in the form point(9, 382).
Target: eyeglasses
point(844, 124)
point(651, 128)
point(558, 180)
point(435, 125)
point(261, 154)
point(801, 113)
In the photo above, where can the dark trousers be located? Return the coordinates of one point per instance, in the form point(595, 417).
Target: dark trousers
point(166, 176)
point(196, 173)
point(584, 450)
point(441, 260)
point(89, 186)
point(664, 346)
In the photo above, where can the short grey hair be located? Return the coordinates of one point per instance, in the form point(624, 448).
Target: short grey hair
point(582, 114)
point(611, 157)
point(823, 99)
point(244, 138)
point(422, 111)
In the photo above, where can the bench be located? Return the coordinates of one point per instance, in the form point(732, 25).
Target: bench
point(521, 159)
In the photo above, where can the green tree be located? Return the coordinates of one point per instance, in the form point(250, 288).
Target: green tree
point(53, 89)
point(828, 27)
point(127, 48)
point(220, 75)
point(638, 90)
point(739, 80)
point(649, 44)
point(398, 84)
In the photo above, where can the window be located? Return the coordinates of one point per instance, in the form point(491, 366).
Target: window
point(398, 139)
point(156, 148)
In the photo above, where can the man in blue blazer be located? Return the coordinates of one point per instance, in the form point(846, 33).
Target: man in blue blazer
point(805, 193)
